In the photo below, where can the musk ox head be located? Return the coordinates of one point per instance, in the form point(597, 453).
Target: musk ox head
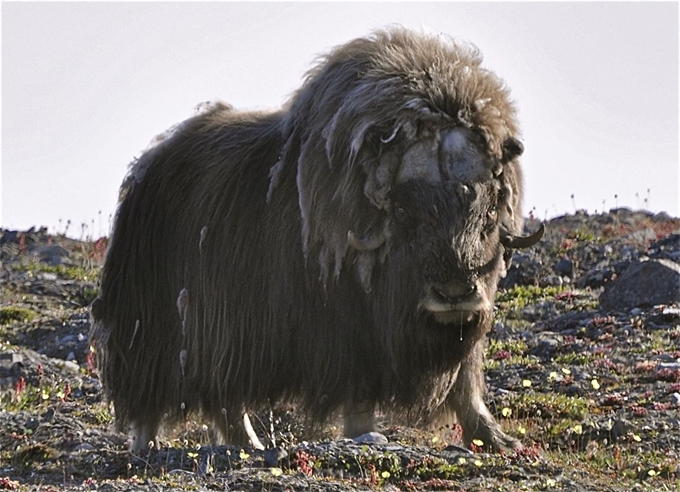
point(406, 148)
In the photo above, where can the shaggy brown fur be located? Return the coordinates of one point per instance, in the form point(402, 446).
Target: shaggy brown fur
point(341, 253)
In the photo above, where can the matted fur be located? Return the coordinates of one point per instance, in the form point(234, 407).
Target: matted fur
point(229, 282)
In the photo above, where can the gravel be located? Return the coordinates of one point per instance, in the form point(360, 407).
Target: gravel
point(593, 393)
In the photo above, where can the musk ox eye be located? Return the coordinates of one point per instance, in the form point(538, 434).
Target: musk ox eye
point(491, 218)
point(401, 214)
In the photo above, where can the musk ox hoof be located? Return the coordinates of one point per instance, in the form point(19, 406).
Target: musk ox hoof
point(141, 438)
point(496, 440)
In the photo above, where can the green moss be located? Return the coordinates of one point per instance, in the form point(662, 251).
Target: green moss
point(507, 353)
point(574, 359)
point(10, 314)
point(549, 405)
point(583, 234)
point(520, 295)
point(90, 294)
point(64, 272)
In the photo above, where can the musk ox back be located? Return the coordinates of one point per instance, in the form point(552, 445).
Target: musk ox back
point(341, 254)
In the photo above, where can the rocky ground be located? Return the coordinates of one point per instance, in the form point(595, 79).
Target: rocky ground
point(590, 382)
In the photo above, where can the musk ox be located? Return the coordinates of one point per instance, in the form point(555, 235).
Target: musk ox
point(341, 253)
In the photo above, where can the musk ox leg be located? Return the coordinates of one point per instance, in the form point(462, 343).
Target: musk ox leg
point(359, 419)
point(141, 437)
point(250, 432)
point(237, 429)
point(465, 400)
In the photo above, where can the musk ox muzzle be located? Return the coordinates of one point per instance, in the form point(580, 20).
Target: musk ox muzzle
point(341, 254)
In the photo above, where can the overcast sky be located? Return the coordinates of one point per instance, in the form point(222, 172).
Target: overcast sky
point(86, 86)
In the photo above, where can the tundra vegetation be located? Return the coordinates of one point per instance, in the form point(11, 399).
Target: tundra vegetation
point(592, 395)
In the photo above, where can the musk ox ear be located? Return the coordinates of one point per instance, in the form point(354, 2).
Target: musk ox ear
point(512, 148)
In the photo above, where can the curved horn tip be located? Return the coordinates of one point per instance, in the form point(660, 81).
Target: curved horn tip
point(518, 242)
point(531, 239)
point(370, 243)
point(539, 232)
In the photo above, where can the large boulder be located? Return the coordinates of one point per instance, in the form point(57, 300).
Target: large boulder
point(644, 283)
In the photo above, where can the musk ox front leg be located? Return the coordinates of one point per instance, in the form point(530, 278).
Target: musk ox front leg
point(236, 428)
point(465, 400)
point(359, 419)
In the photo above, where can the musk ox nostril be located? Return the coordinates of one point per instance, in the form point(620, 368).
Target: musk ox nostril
point(454, 292)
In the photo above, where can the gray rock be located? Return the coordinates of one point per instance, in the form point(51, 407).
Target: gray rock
point(8, 359)
point(551, 281)
point(646, 283)
point(32, 423)
point(621, 266)
point(48, 416)
point(642, 236)
point(547, 344)
point(273, 456)
point(675, 399)
point(53, 255)
point(542, 310)
point(526, 269)
point(671, 312)
point(620, 428)
point(629, 252)
point(596, 277)
point(661, 217)
point(84, 447)
point(371, 438)
point(11, 369)
point(664, 358)
point(564, 267)
point(67, 364)
point(452, 448)
point(66, 339)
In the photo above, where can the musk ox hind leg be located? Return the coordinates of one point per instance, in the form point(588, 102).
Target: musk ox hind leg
point(359, 418)
point(142, 436)
point(465, 401)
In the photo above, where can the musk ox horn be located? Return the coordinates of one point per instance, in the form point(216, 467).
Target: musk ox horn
point(516, 242)
point(370, 242)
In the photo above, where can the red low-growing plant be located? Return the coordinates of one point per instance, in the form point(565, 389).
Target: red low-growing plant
point(613, 400)
point(603, 320)
point(67, 391)
point(502, 355)
point(304, 463)
point(668, 375)
point(91, 362)
point(8, 484)
point(19, 387)
point(638, 411)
